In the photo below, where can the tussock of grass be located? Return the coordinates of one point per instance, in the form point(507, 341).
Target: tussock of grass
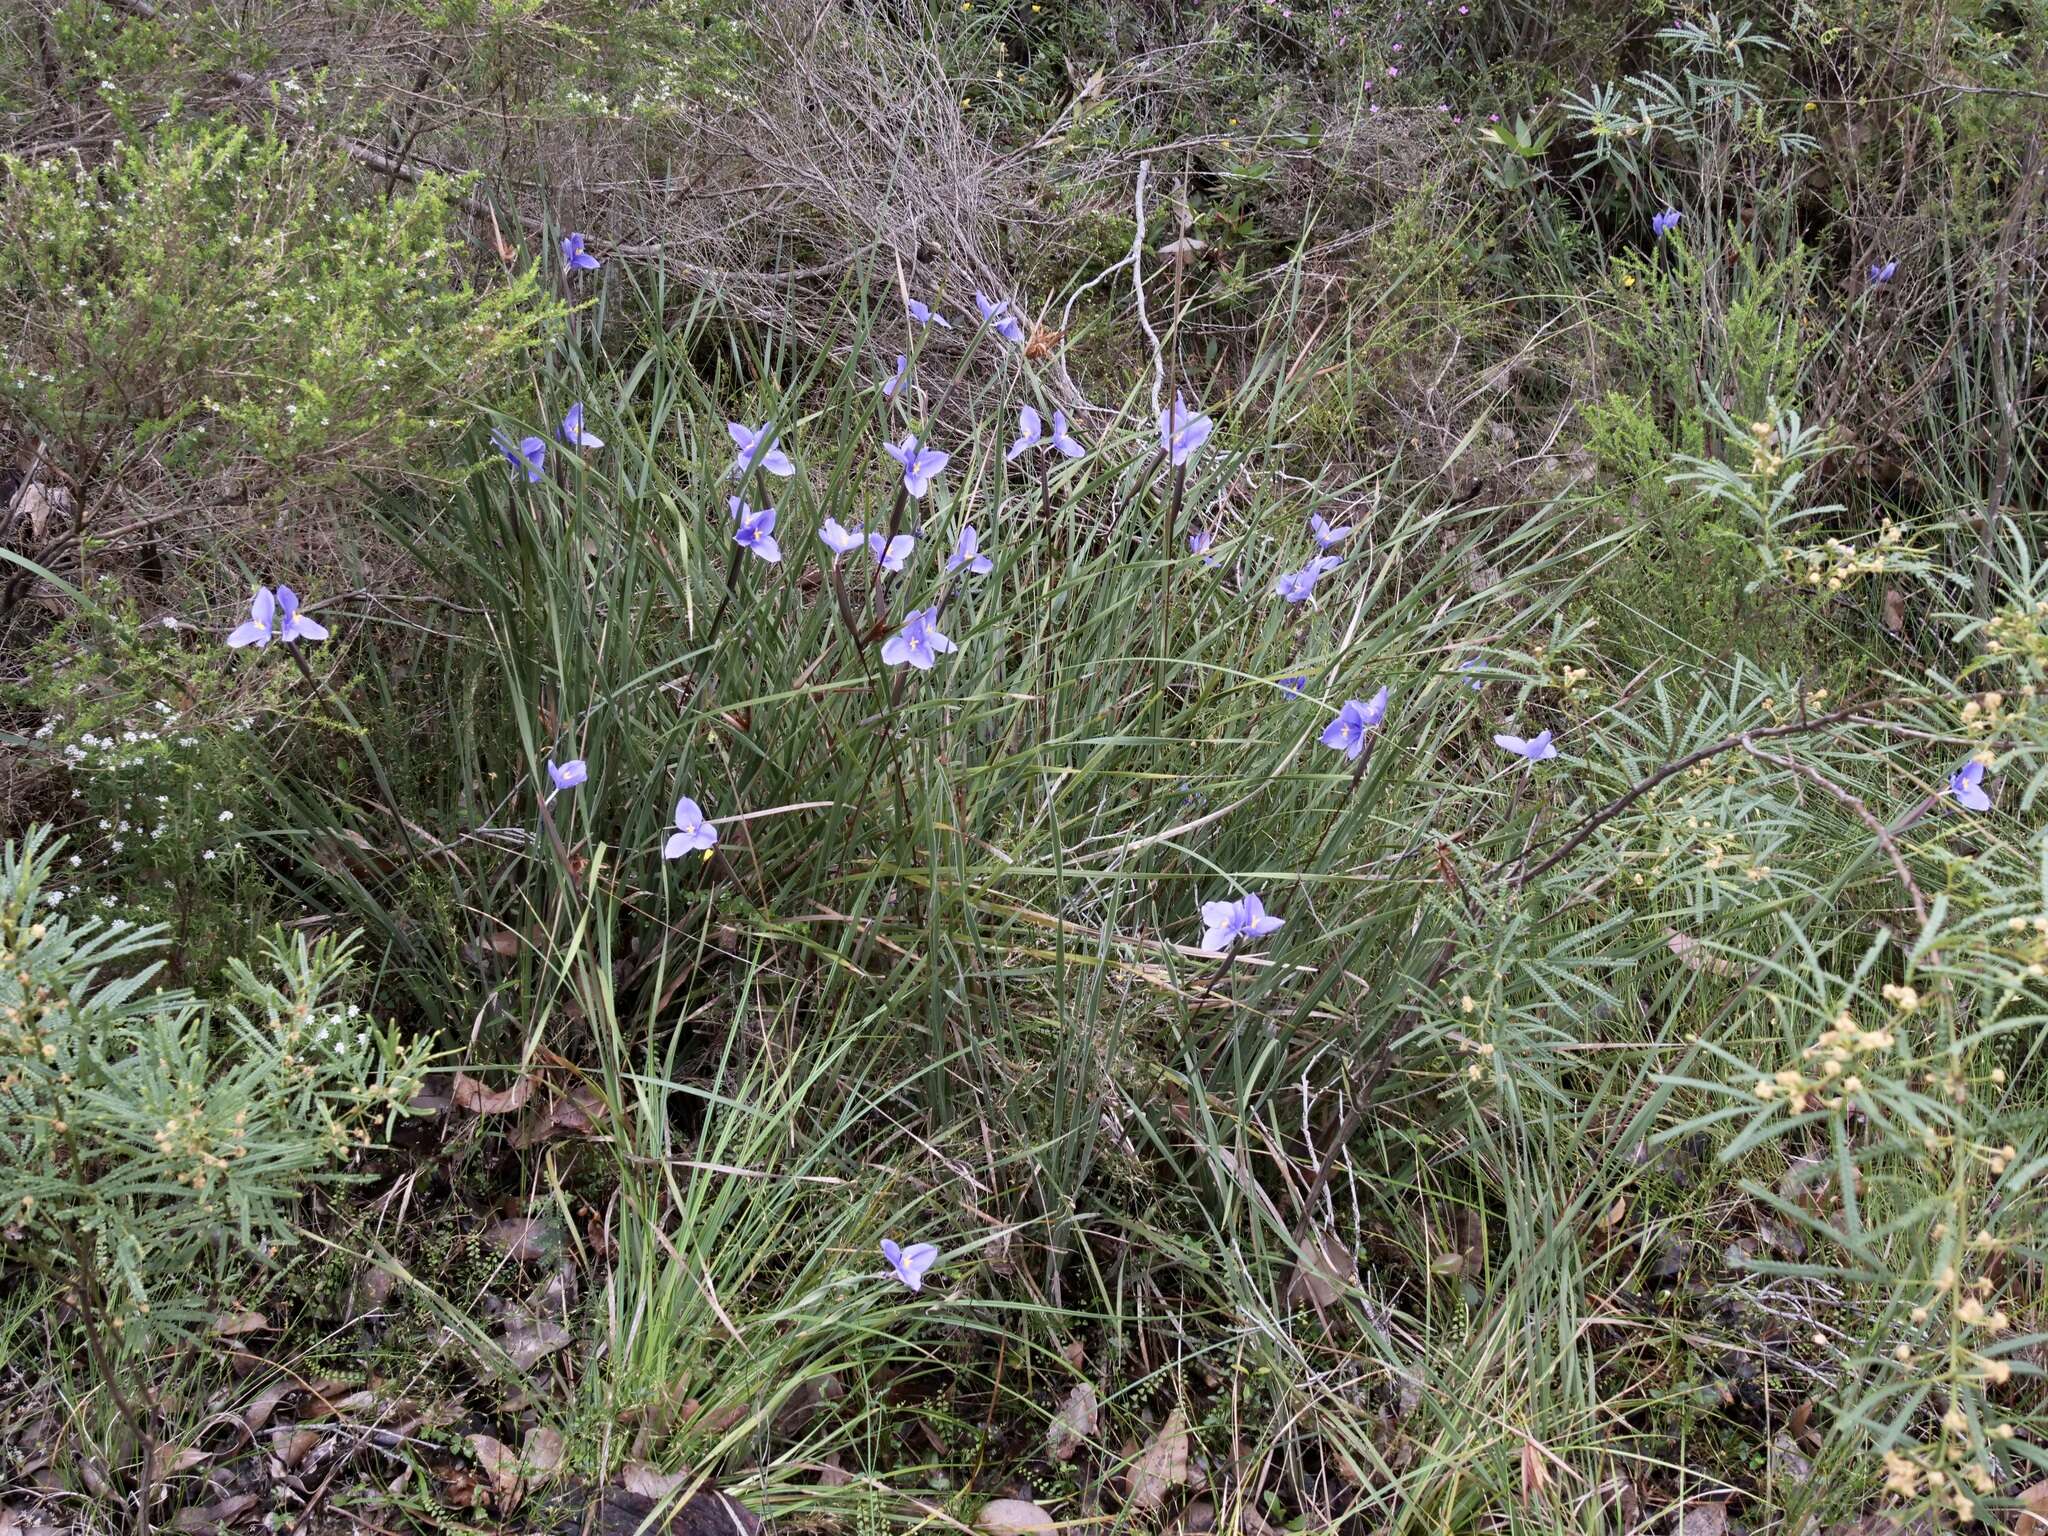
point(1653, 1125)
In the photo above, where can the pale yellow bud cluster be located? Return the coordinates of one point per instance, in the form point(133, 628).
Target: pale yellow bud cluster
point(191, 1139)
point(1985, 714)
point(1835, 564)
point(1829, 1079)
point(2020, 634)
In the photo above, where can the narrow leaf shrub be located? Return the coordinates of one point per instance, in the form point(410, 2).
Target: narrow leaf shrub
point(148, 1131)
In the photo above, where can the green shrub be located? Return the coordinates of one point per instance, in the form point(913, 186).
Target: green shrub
point(159, 765)
point(147, 1131)
point(225, 301)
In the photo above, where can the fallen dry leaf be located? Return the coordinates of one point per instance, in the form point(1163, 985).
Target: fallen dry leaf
point(501, 1465)
point(1011, 1517)
point(1161, 1466)
point(1707, 1518)
point(206, 1518)
point(529, 1344)
point(641, 1478)
point(1325, 1268)
point(621, 1512)
point(173, 1459)
point(232, 1325)
point(472, 1095)
point(298, 1447)
point(257, 1414)
point(326, 1398)
point(2031, 1518)
point(1073, 1425)
point(576, 1113)
point(543, 1449)
point(524, 1238)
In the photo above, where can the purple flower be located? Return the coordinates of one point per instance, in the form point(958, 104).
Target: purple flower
point(292, 624)
point(1536, 749)
point(1475, 684)
point(1198, 544)
point(918, 641)
point(1180, 435)
point(693, 834)
point(1299, 586)
point(574, 257)
point(757, 534)
point(891, 557)
point(1325, 535)
point(1348, 731)
point(529, 453)
point(260, 628)
point(1030, 433)
point(1967, 785)
point(895, 380)
point(1296, 586)
point(920, 465)
point(967, 552)
point(840, 540)
point(909, 1264)
point(758, 449)
point(924, 314)
point(996, 315)
point(1294, 687)
point(1882, 272)
point(572, 430)
point(568, 775)
point(1225, 922)
point(1665, 222)
point(275, 616)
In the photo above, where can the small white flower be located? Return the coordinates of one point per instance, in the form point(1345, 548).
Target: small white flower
point(225, 816)
point(208, 855)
